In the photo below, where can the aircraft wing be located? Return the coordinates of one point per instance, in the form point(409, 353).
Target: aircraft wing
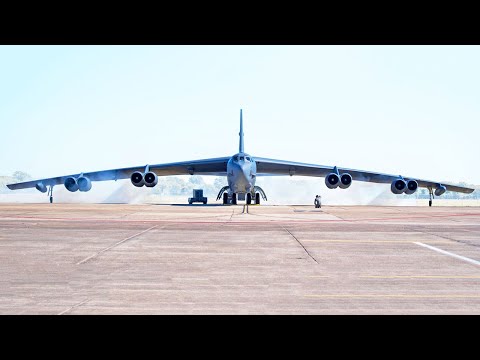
point(217, 166)
point(281, 167)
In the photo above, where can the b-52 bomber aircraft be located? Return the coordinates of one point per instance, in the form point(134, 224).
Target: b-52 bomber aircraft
point(241, 171)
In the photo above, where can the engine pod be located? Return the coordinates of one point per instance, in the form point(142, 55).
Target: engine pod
point(398, 186)
point(84, 183)
point(71, 184)
point(41, 187)
point(345, 181)
point(332, 181)
point(137, 179)
point(412, 186)
point(440, 190)
point(151, 179)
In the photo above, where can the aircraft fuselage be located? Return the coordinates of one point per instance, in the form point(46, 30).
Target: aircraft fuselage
point(241, 173)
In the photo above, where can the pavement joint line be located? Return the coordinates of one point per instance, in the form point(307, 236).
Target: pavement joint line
point(114, 245)
point(396, 219)
point(304, 248)
point(475, 262)
point(73, 307)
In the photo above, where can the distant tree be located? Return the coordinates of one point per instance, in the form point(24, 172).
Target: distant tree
point(196, 181)
point(219, 183)
point(21, 176)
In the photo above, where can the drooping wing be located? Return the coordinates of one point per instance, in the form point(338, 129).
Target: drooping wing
point(217, 166)
point(281, 167)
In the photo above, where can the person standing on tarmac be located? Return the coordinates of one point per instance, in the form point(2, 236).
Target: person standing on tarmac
point(318, 201)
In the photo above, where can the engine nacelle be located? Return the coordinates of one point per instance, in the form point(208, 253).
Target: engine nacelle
point(151, 179)
point(345, 181)
point(41, 187)
point(71, 184)
point(398, 186)
point(440, 190)
point(137, 179)
point(412, 186)
point(332, 181)
point(84, 183)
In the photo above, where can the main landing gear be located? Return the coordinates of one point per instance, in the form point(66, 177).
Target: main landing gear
point(250, 198)
point(256, 200)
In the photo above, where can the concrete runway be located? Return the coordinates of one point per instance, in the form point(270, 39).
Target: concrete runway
point(176, 259)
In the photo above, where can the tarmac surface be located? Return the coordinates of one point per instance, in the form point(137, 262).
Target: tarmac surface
point(214, 259)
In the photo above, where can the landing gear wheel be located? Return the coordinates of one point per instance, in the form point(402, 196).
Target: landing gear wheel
point(257, 198)
point(234, 199)
point(225, 198)
point(205, 202)
point(249, 198)
point(51, 199)
point(429, 202)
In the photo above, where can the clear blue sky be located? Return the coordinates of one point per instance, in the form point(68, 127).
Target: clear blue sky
point(410, 110)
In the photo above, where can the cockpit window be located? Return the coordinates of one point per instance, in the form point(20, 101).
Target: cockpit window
point(241, 158)
point(247, 158)
point(235, 158)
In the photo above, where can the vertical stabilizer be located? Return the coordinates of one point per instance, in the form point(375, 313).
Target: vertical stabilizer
point(240, 146)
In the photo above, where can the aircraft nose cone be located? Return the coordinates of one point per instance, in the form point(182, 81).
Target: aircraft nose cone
point(242, 177)
point(246, 171)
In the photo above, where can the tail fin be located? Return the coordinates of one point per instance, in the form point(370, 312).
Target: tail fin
point(240, 146)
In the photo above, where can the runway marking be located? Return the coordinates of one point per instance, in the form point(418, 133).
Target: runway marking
point(73, 307)
point(394, 296)
point(367, 241)
point(300, 244)
point(116, 244)
point(475, 262)
point(421, 276)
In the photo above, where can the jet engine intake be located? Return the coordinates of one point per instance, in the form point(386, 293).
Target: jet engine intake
point(440, 190)
point(345, 181)
point(41, 187)
point(332, 181)
point(71, 184)
point(137, 179)
point(398, 186)
point(412, 186)
point(84, 183)
point(151, 179)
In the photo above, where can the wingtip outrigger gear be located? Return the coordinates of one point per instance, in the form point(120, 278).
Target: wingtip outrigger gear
point(50, 193)
point(222, 190)
point(260, 190)
point(430, 191)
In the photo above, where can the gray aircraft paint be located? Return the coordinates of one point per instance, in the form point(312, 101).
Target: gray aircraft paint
point(241, 173)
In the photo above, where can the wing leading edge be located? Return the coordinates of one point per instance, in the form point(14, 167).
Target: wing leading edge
point(282, 167)
point(216, 166)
